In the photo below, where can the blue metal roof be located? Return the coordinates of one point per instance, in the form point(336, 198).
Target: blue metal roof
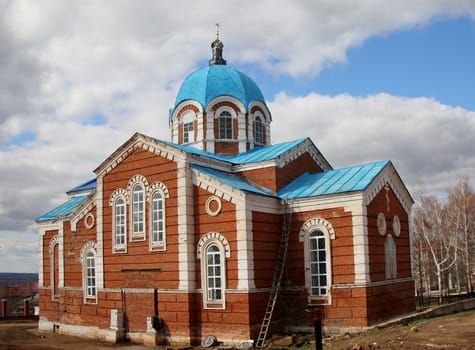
point(258, 154)
point(233, 180)
point(263, 153)
point(356, 178)
point(218, 80)
point(63, 209)
point(89, 185)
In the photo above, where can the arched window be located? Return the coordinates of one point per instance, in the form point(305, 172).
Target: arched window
point(214, 286)
point(138, 211)
point(316, 234)
point(318, 263)
point(88, 260)
point(188, 132)
point(54, 266)
point(157, 236)
point(213, 249)
point(225, 125)
point(258, 130)
point(187, 120)
point(90, 275)
point(119, 223)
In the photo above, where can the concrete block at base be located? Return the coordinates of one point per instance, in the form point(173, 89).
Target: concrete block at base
point(150, 337)
point(112, 335)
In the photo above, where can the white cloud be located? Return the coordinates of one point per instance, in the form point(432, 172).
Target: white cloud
point(61, 63)
point(424, 138)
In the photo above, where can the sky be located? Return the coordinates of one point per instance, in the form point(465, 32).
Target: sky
point(365, 80)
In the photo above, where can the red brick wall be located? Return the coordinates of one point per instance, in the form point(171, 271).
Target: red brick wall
point(266, 234)
point(73, 243)
point(376, 241)
point(226, 148)
point(224, 223)
point(138, 257)
point(276, 178)
point(382, 301)
point(290, 309)
point(342, 257)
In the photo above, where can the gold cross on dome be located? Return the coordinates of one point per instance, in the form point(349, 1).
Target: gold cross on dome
point(217, 31)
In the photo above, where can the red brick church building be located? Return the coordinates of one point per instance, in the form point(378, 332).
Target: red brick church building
point(174, 241)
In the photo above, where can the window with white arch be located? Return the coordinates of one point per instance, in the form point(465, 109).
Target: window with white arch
point(258, 130)
point(157, 234)
point(213, 249)
point(88, 261)
point(225, 125)
point(188, 127)
point(316, 234)
point(118, 202)
point(120, 227)
point(138, 211)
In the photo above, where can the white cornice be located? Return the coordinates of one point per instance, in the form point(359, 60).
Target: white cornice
point(139, 141)
point(389, 176)
point(84, 208)
point(216, 187)
point(184, 103)
point(226, 98)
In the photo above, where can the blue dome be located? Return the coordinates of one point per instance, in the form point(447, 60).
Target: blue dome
point(218, 80)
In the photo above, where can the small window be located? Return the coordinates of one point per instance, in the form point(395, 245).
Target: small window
point(225, 126)
point(188, 132)
point(258, 130)
point(157, 237)
point(318, 263)
point(119, 223)
point(138, 211)
point(90, 275)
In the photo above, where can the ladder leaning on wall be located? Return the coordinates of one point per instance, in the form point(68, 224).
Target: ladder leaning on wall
point(278, 272)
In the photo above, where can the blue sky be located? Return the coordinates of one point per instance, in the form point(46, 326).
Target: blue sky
point(433, 60)
point(366, 80)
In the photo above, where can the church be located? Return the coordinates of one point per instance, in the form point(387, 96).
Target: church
point(221, 233)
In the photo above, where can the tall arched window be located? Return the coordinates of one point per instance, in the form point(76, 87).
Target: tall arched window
point(213, 249)
point(258, 130)
point(316, 234)
point(214, 274)
point(225, 125)
point(318, 263)
point(119, 223)
point(90, 275)
point(157, 236)
point(138, 211)
point(88, 260)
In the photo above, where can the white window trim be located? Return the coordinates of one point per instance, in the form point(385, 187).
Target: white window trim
point(116, 195)
point(217, 239)
point(322, 225)
point(89, 247)
point(159, 245)
point(187, 118)
point(55, 241)
point(259, 115)
point(133, 182)
point(233, 117)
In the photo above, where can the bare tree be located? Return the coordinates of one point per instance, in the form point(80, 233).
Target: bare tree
point(430, 223)
point(461, 204)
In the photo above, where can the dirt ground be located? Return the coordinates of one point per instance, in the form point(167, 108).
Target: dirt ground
point(456, 331)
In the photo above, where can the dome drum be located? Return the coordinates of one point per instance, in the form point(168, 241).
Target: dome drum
point(231, 115)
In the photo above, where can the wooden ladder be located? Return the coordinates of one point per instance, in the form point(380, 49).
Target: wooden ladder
point(278, 272)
